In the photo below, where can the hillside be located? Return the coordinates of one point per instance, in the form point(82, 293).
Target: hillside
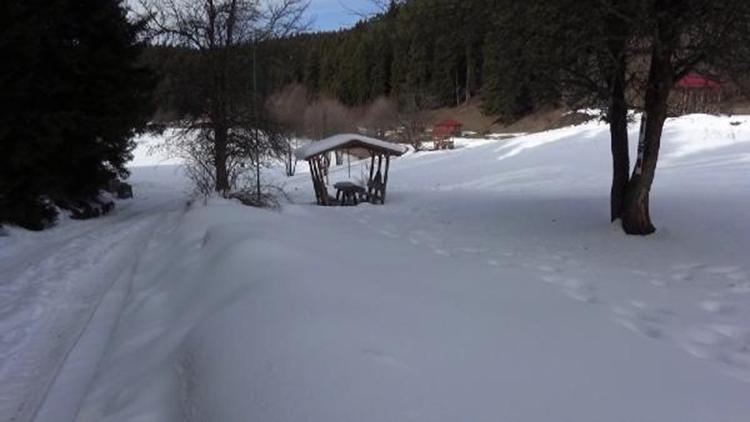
point(472, 117)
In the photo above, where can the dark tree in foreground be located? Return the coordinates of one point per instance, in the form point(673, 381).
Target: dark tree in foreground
point(576, 50)
point(73, 96)
point(620, 54)
point(682, 36)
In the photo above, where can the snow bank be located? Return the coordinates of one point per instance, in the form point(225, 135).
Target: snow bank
point(150, 150)
point(279, 320)
point(490, 287)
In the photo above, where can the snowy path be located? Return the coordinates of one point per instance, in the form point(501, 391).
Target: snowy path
point(53, 284)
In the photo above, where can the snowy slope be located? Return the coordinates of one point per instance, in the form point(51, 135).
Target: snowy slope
point(490, 287)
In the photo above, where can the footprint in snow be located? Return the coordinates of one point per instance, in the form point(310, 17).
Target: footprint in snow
point(657, 282)
point(724, 343)
point(737, 276)
point(473, 251)
point(556, 257)
point(722, 270)
point(573, 288)
point(384, 358)
point(688, 266)
point(441, 252)
point(637, 316)
point(682, 277)
point(388, 233)
point(547, 269)
point(718, 307)
point(579, 290)
point(742, 288)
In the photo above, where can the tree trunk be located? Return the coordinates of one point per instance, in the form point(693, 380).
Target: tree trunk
point(636, 218)
point(258, 189)
point(618, 127)
point(469, 74)
point(220, 159)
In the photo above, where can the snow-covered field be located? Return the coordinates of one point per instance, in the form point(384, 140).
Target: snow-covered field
point(490, 287)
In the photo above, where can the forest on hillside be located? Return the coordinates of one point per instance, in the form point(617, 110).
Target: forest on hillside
point(423, 54)
point(427, 54)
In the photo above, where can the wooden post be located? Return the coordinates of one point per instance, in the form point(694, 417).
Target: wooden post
point(372, 174)
point(385, 177)
point(321, 192)
point(322, 176)
point(315, 183)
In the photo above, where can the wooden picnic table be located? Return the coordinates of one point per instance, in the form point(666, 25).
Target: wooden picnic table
point(349, 193)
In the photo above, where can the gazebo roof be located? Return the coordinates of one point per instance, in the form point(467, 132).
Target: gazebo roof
point(345, 141)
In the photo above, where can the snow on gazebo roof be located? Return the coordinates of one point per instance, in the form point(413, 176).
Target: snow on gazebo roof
point(348, 140)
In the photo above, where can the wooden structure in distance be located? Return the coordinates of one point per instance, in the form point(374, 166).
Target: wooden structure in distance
point(444, 131)
point(378, 150)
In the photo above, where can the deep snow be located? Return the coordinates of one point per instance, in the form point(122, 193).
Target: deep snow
point(490, 287)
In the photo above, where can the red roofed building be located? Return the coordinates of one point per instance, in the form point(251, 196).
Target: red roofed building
point(695, 80)
point(443, 131)
point(697, 93)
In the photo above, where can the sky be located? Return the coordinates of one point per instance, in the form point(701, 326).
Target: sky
point(328, 15)
point(335, 14)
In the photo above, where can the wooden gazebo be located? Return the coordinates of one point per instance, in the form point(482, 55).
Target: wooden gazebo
point(358, 145)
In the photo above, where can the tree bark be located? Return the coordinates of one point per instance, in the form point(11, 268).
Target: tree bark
point(617, 114)
point(258, 189)
point(636, 218)
point(220, 159)
point(469, 74)
point(618, 127)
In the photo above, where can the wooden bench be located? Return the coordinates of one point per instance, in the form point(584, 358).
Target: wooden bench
point(348, 193)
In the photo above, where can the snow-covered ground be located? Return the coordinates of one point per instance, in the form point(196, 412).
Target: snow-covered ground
point(490, 287)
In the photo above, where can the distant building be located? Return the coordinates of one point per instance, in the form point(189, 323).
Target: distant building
point(697, 93)
point(444, 131)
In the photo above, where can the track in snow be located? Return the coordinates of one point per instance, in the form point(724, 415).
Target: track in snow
point(52, 286)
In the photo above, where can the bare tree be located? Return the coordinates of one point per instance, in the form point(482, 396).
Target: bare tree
point(219, 30)
point(288, 107)
point(682, 36)
point(622, 54)
point(380, 117)
point(412, 123)
point(289, 143)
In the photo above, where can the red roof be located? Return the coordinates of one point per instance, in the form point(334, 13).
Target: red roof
point(695, 80)
point(449, 123)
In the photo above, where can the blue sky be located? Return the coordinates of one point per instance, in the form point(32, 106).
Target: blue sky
point(334, 14)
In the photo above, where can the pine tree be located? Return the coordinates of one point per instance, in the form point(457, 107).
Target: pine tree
point(73, 97)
